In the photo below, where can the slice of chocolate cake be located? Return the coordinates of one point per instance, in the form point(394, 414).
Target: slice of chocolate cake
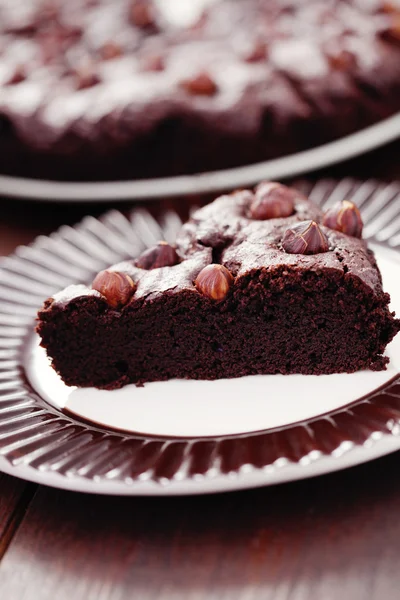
point(258, 282)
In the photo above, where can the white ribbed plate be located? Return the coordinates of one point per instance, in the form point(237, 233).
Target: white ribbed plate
point(183, 437)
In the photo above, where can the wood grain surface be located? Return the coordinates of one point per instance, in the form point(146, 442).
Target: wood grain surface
point(15, 496)
point(333, 537)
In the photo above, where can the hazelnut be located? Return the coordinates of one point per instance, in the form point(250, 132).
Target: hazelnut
point(392, 32)
point(390, 7)
point(142, 14)
point(214, 281)
point(272, 200)
point(305, 238)
point(117, 288)
point(200, 85)
point(110, 50)
point(345, 217)
point(161, 255)
point(342, 60)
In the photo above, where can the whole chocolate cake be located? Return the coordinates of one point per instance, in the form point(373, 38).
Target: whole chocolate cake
point(94, 89)
point(258, 282)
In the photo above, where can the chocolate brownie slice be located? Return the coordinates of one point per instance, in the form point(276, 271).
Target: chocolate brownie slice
point(258, 282)
point(134, 88)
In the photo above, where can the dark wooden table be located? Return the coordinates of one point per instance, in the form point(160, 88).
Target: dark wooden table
point(333, 537)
